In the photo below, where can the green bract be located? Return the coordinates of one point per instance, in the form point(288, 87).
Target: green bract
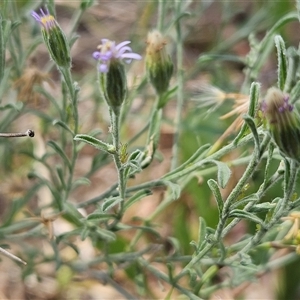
point(113, 85)
point(283, 122)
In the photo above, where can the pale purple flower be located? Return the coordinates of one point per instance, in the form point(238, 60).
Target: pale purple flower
point(46, 20)
point(109, 51)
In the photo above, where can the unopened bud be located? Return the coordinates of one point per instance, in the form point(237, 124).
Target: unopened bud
point(283, 122)
point(158, 63)
point(54, 39)
point(113, 85)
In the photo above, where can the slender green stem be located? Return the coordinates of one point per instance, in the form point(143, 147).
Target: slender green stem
point(115, 124)
point(108, 192)
point(161, 14)
point(234, 194)
point(16, 32)
point(180, 79)
point(73, 93)
point(75, 21)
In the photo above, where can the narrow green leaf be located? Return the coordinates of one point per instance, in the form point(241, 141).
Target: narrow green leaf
point(246, 200)
point(63, 125)
point(167, 97)
point(201, 234)
point(60, 152)
point(99, 216)
point(217, 194)
point(196, 157)
point(71, 245)
point(241, 214)
point(4, 82)
point(295, 204)
point(72, 214)
point(2, 49)
point(253, 105)
point(254, 99)
point(262, 207)
point(289, 17)
point(13, 26)
point(85, 4)
point(80, 181)
point(16, 106)
point(251, 124)
point(60, 174)
point(298, 8)
point(76, 232)
point(84, 233)
point(110, 202)
point(54, 191)
point(154, 129)
point(106, 235)
point(98, 144)
point(282, 61)
point(224, 172)
point(41, 115)
point(133, 164)
point(278, 201)
point(136, 197)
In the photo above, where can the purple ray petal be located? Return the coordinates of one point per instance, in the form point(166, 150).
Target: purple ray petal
point(132, 56)
point(120, 45)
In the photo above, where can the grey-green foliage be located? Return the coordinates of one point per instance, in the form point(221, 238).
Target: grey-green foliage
point(191, 258)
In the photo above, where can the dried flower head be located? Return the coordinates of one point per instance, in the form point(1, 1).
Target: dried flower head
point(212, 97)
point(158, 63)
point(46, 220)
point(31, 78)
point(283, 122)
point(54, 38)
point(294, 232)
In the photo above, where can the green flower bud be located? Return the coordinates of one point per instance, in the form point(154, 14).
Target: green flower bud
point(158, 63)
point(54, 39)
point(113, 85)
point(283, 122)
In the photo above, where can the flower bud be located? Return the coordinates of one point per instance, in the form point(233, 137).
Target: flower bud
point(283, 122)
point(54, 39)
point(158, 63)
point(113, 85)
